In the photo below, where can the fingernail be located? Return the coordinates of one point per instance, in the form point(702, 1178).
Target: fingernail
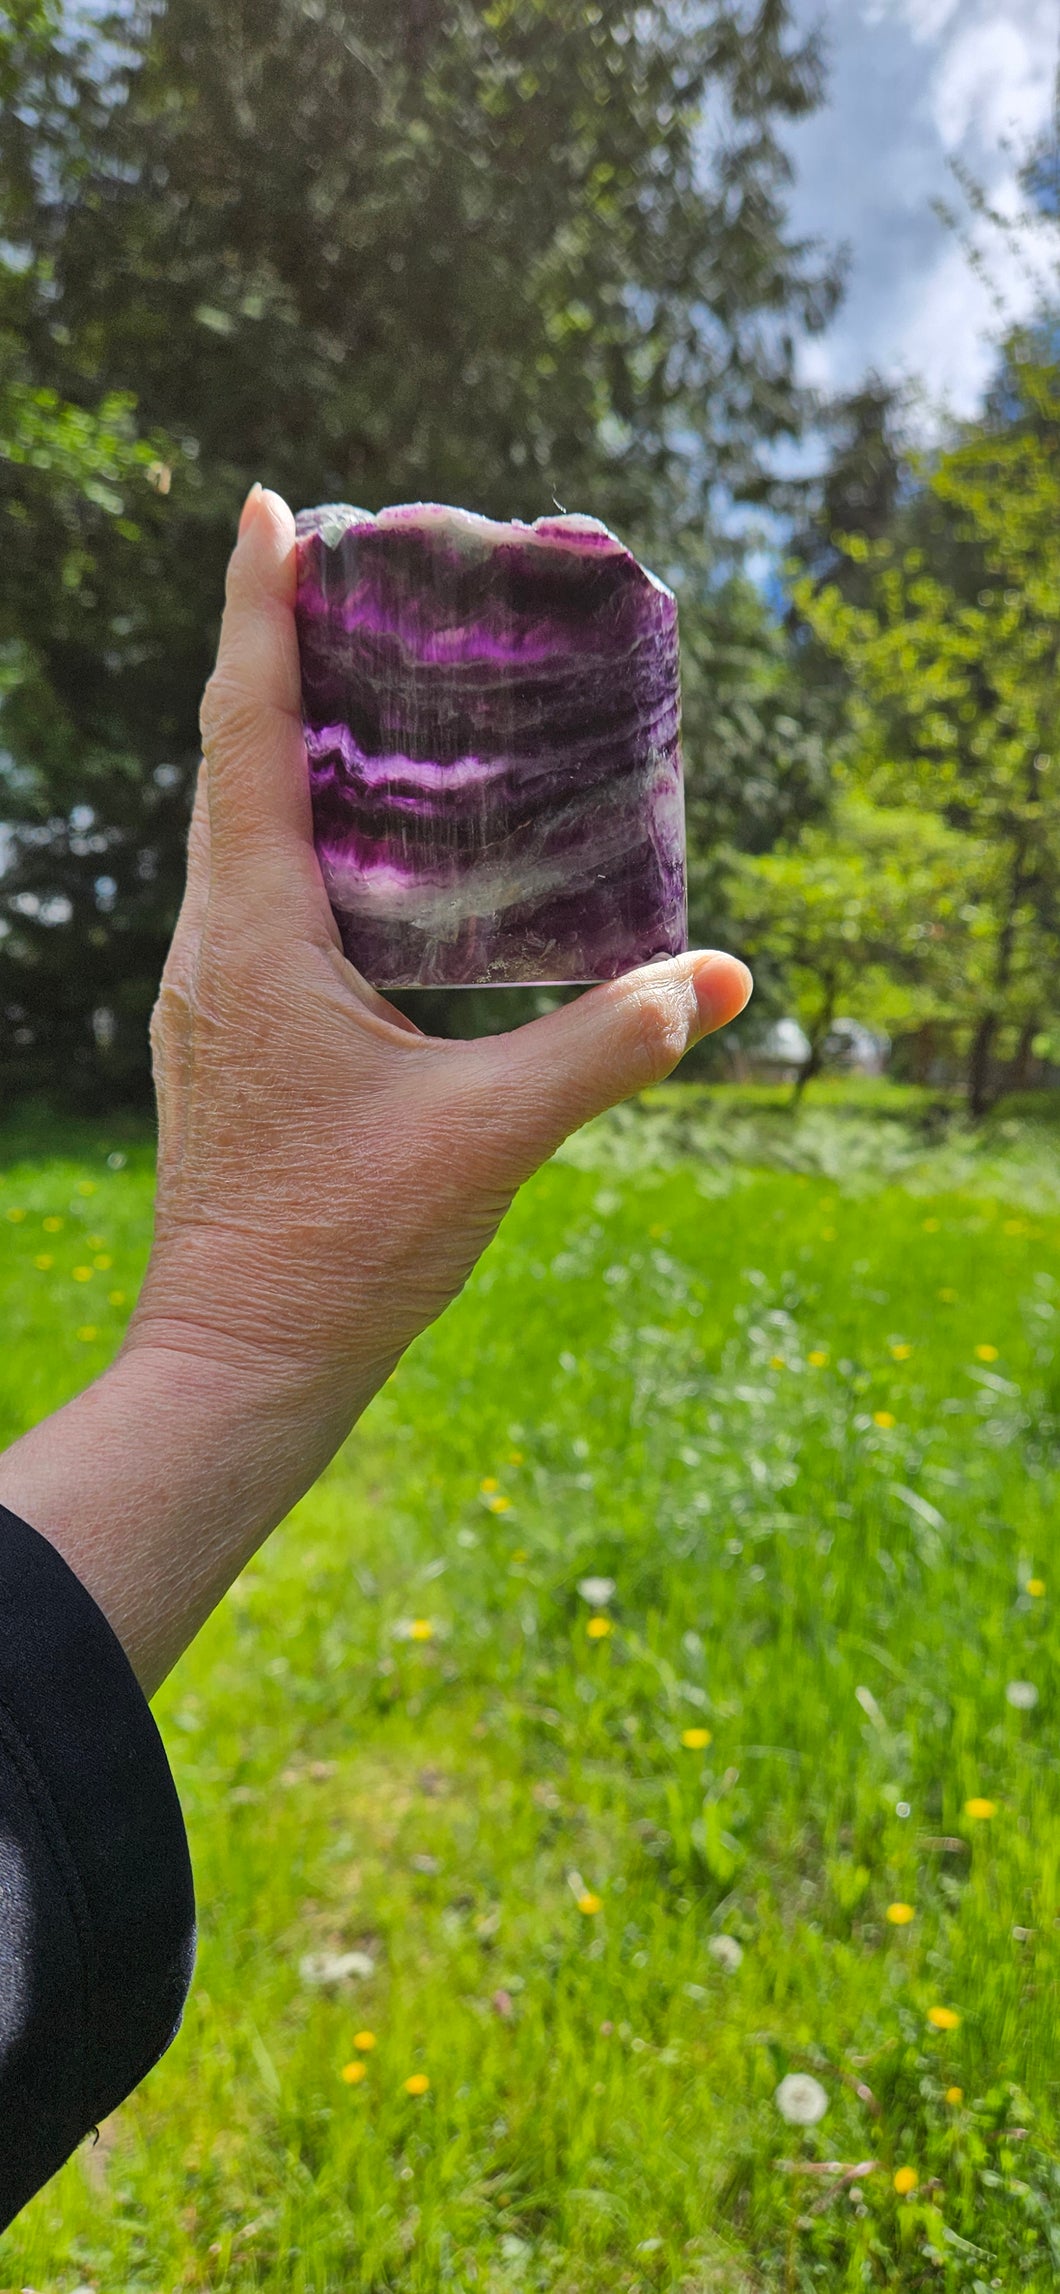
point(723, 986)
point(249, 507)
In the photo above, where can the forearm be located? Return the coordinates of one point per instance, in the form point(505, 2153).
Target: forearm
point(160, 1480)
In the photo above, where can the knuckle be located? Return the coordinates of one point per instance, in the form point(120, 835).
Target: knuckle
point(228, 716)
point(660, 1031)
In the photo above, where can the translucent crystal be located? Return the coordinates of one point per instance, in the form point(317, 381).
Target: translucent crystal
point(492, 718)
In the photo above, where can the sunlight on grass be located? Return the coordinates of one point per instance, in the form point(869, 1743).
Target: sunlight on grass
point(614, 1755)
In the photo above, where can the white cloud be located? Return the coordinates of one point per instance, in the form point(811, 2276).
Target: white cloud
point(993, 81)
point(916, 85)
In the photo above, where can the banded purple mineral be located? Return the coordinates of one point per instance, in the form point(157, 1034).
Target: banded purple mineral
point(492, 718)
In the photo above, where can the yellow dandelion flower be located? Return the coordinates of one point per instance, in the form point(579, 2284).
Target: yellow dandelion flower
point(817, 1359)
point(980, 1810)
point(498, 1504)
point(515, 1457)
point(777, 1362)
point(87, 1333)
point(590, 1903)
point(115, 1298)
point(16, 1217)
point(364, 2041)
point(943, 2018)
point(95, 1242)
point(900, 1914)
point(695, 1739)
point(1036, 1587)
point(519, 1556)
point(82, 1274)
point(931, 1226)
point(51, 1225)
point(884, 1418)
point(418, 2084)
point(905, 2180)
point(353, 2073)
point(598, 1628)
point(900, 1353)
point(948, 1297)
point(489, 1484)
point(954, 2095)
point(986, 1353)
point(421, 1629)
point(1014, 1227)
point(828, 1234)
point(44, 1261)
point(86, 1186)
point(102, 1262)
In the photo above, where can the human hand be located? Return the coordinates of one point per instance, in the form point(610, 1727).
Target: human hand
point(327, 1175)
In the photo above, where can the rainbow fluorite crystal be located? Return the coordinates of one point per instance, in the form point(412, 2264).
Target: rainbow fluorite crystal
point(492, 717)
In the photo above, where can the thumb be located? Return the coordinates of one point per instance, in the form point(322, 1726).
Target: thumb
point(560, 1070)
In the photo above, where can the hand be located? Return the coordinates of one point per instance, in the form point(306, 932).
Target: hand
point(328, 1175)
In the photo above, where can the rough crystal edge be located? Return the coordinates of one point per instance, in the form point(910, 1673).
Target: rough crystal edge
point(571, 530)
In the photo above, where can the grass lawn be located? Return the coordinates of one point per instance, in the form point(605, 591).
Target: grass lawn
point(519, 1902)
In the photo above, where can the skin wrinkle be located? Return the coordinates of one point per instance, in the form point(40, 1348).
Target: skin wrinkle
point(327, 1177)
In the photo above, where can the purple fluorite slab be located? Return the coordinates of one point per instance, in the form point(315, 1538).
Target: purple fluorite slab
point(492, 718)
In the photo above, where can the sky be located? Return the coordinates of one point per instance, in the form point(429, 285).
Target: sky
point(912, 84)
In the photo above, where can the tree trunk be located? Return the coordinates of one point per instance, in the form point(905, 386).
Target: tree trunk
point(1020, 1077)
point(979, 1093)
point(924, 1052)
point(813, 1065)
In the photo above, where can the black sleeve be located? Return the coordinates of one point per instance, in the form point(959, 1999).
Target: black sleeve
point(97, 1914)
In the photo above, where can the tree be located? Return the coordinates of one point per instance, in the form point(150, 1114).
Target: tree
point(453, 248)
point(957, 694)
point(868, 916)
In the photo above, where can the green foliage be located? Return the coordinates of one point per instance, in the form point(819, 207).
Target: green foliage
point(956, 696)
point(458, 250)
point(759, 1404)
point(871, 915)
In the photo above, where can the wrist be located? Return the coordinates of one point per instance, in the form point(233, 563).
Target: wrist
point(162, 1478)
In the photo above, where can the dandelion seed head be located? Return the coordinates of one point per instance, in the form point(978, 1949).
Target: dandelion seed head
point(1022, 1694)
point(597, 1591)
point(726, 1951)
point(801, 2099)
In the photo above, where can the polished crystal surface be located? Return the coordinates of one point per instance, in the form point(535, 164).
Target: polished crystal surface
point(492, 718)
